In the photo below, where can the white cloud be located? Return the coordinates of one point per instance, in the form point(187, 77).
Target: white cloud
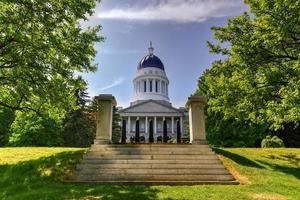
point(181, 11)
point(115, 83)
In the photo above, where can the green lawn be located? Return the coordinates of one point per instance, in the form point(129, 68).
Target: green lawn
point(36, 173)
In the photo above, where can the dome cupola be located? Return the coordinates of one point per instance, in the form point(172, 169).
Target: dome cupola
point(151, 81)
point(151, 60)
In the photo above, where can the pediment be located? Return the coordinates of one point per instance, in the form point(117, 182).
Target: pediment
point(150, 107)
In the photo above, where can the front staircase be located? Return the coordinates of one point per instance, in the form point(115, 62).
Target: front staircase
point(167, 164)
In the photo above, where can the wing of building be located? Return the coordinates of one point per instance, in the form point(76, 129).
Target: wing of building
point(151, 111)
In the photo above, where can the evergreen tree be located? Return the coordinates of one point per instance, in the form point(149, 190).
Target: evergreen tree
point(116, 127)
point(79, 124)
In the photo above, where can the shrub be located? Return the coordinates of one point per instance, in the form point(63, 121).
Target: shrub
point(272, 142)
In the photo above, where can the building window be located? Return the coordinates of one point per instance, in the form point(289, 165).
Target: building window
point(150, 85)
point(156, 86)
point(145, 86)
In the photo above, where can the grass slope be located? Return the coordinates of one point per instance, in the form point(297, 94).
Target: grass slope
point(36, 174)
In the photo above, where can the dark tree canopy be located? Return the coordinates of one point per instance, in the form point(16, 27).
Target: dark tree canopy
point(41, 48)
point(80, 124)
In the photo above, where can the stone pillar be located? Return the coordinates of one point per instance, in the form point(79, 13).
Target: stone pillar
point(104, 118)
point(196, 106)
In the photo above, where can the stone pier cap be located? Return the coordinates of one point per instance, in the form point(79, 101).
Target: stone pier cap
point(107, 97)
point(196, 99)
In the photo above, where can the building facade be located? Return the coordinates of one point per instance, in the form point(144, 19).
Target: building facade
point(151, 112)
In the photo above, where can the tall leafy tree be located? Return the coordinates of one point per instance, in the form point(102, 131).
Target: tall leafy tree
point(259, 80)
point(41, 47)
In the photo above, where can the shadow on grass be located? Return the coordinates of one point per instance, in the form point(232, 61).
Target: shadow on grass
point(42, 179)
point(238, 158)
point(294, 171)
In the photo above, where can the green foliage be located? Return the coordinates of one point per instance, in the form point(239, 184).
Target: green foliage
point(116, 128)
point(42, 46)
point(272, 142)
point(232, 133)
point(79, 129)
point(7, 117)
point(256, 87)
point(30, 129)
point(258, 81)
point(186, 129)
point(80, 125)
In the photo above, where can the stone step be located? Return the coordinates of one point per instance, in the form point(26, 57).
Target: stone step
point(117, 172)
point(149, 146)
point(151, 149)
point(152, 164)
point(150, 153)
point(149, 157)
point(124, 161)
point(149, 166)
point(150, 177)
point(134, 182)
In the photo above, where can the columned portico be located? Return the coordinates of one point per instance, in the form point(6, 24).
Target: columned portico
point(157, 124)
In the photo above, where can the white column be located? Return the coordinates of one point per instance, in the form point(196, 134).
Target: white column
point(172, 127)
point(162, 126)
point(155, 125)
point(167, 89)
point(148, 85)
point(146, 125)
point(129, 125)
point(181, 125)
point(160, 86)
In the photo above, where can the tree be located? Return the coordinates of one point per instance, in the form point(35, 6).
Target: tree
point(79, 124)
point(7, 117)
point(116, 127)
point(258, 80)
point(41, 47)
point(30, 129)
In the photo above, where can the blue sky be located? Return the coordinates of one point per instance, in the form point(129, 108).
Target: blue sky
point(179, 30)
